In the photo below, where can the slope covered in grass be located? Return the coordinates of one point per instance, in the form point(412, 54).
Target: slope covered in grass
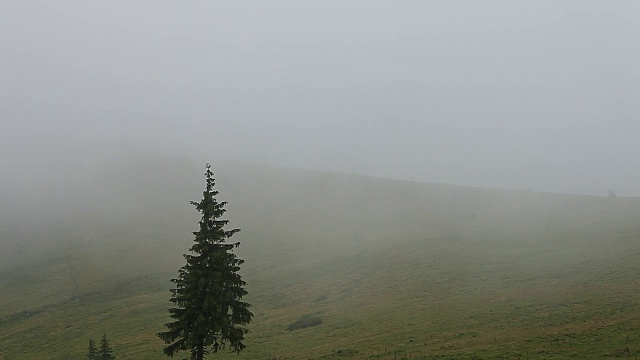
point(391, 268)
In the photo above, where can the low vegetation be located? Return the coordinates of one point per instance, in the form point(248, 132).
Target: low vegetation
point(393, 269)
point(304, 322)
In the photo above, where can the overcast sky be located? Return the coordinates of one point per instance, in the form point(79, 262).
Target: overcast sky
point(543, 95)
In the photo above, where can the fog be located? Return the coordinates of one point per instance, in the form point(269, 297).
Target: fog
point(427, 178)
point(521, 95)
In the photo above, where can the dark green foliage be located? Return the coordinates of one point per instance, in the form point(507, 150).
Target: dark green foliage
point(93, 350)
point(305, 322)
point(208, 312)
point(105, 352)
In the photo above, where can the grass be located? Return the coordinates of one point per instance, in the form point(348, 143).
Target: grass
point(394, 270)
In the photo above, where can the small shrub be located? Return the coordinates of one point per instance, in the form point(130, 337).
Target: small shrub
point(345, 352)
point(304, 322)
point(322, 297)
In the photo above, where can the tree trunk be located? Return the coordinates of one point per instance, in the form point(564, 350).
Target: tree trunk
point(200, 350)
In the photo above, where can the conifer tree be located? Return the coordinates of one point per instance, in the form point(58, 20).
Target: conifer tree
point(105, 352)
point(208, 311)
point(93, 350)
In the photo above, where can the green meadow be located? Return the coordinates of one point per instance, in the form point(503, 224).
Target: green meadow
point(393, 269)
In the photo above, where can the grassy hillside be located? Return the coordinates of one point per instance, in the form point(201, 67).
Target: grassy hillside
point(392, 268)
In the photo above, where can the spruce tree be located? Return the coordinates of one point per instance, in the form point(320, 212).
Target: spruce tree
point(93, 350)
point(208, 311)
point(105, 352)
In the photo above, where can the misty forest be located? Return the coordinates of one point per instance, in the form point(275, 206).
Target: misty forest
point(319, 180)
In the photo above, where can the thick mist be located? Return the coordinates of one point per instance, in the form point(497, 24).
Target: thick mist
point(428, 178)
point(521, 95)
